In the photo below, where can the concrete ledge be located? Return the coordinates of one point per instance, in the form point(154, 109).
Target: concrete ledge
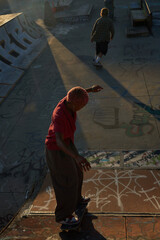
point(8, 17)
point(72, 15)
point(138, 16)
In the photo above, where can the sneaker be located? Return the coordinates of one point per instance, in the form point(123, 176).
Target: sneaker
point(71, 220)
point(85, 200)
point(83, 204)
point(97, 64)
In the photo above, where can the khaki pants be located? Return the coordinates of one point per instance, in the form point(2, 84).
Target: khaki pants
point(67, 179)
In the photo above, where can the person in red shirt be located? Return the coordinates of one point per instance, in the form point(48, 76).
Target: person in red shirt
point(64, 162)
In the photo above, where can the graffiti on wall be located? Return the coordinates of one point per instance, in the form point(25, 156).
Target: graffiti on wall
point(132, 159)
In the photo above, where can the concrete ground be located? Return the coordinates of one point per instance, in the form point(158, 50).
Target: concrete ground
point(119, 192)
point(124, 116)
point(94, 227)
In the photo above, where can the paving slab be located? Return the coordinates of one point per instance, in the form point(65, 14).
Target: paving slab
point(143, 228)
point(111, 191)
point(126, 191)
point(45, 227)
point(93, 228)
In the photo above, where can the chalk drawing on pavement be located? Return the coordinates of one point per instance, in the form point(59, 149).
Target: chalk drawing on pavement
point(49, 199)
point(142, 122)
point(116, 186)
point(107, 117)
point(131, 191)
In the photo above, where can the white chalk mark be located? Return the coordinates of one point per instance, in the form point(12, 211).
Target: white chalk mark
point(106, 181)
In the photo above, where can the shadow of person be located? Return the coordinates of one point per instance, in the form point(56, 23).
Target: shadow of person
point(88, 232)
point(118, 87)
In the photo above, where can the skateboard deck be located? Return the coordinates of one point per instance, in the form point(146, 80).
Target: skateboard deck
point(77, 227)
point(98, 67)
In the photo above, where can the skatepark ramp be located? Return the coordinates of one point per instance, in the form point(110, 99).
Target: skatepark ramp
point(8, 78)
point(21, 41)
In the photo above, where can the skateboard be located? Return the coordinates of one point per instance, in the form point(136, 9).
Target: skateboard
point(98, 67)
point(80, 212)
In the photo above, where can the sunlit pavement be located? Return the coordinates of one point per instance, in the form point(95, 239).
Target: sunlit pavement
point(124, 116)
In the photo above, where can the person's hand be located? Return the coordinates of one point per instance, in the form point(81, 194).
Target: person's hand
point(96, 88)
point(83, 163)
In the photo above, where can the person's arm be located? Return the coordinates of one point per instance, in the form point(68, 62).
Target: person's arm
point(94, 88)
point(112, 31)
point(94, 28)
point(93, 31)
point(82, 162)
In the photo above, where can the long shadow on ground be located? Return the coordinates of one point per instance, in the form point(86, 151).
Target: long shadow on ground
point(88, 232)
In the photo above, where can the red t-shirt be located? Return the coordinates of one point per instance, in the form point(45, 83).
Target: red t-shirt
point(63, 122)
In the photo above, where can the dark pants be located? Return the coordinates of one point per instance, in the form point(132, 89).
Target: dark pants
point(67, 179)
point(101, 47)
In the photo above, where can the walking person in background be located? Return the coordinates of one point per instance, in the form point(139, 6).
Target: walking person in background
point(64, 162)
point(102, 34)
